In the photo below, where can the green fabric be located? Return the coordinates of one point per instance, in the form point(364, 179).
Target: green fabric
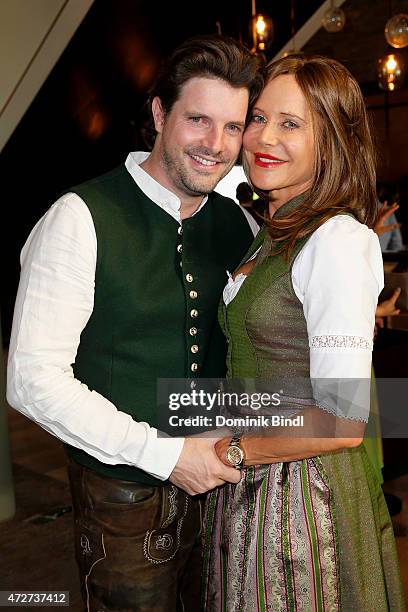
point(369, 572)
point(139, 329)
point(267, 301)
point(372, 438)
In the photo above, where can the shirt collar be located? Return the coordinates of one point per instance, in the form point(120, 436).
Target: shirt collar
point(161, 196)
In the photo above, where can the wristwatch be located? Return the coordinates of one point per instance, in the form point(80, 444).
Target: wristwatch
point(235, 453)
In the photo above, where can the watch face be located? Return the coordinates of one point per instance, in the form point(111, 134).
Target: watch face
point(235, 455)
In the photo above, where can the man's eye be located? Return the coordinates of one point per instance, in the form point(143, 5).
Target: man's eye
point(237, 129)
point(195, 119)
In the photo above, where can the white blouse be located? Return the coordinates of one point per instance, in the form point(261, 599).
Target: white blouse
point(337, 276)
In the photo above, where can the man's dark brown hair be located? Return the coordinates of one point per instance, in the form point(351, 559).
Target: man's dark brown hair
point(212, 56)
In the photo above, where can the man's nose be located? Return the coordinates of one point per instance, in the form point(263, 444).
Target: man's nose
point(214, 140)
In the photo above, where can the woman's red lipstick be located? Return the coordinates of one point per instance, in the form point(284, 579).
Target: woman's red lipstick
point(264, 160)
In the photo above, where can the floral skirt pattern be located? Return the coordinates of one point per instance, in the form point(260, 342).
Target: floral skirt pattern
point(305, 536)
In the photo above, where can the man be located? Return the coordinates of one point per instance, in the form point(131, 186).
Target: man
point(122, 278)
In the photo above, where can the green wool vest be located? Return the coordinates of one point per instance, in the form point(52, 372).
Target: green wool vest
point(157, 288)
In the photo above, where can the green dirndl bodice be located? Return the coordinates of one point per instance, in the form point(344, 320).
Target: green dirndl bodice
point(309, 535)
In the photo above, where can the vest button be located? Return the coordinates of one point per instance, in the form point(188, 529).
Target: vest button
point(189, 278)
point(194, 348)
point(180, 230)
point(193, 295)
point(194, 367)
point(193, 331)
point(179, 248)
point(194, 313)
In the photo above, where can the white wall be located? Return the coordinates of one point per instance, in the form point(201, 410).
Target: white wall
point(33, 34)
point(228, 185)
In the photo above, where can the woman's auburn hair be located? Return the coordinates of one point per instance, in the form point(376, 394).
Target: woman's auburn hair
point(344, 166)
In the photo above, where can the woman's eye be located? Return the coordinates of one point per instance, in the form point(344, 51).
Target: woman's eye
point(290, 125)
point(258, 119)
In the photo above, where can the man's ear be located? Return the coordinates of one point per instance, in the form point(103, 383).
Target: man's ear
point(158, 114)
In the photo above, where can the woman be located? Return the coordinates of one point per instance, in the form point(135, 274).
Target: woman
point(307, 527)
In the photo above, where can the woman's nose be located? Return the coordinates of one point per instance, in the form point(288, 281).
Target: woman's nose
point(268, 135)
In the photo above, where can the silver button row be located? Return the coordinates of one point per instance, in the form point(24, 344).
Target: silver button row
point(193, 314)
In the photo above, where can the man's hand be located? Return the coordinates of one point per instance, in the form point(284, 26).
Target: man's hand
point(199, 470)
point(385, 211)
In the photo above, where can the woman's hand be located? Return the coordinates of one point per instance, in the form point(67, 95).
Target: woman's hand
point(221, 449)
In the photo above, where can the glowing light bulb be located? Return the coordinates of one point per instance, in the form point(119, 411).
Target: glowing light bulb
point(262, 31)
point(260, 24)
point(390, 75)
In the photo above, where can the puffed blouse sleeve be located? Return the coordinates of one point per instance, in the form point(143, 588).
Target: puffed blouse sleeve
point(338, 276)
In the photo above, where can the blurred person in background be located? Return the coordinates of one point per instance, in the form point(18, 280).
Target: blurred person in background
point(387, 226)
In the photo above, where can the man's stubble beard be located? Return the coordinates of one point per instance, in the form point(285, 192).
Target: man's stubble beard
point(183, 180)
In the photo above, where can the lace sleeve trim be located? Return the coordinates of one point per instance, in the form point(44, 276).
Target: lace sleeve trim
point(331, 341)
point(352, 417)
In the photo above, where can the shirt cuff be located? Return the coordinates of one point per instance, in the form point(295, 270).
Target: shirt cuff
point(160, 454)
